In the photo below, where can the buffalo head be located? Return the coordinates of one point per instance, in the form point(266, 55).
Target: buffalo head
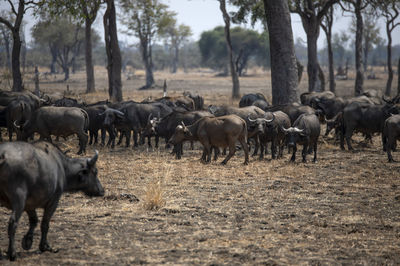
point(293, 135)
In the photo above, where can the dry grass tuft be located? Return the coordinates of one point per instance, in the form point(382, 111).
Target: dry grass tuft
point(154, 196)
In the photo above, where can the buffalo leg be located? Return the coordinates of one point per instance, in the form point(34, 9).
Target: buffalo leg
point(262, 147)
point(28, 238)
point(256, 145)
point(103, 136)
point(135, 138)
point(245, 148)
point(44, 226)
point(10, 132)
point(232, 150)
point(315, 152)
point(304, 152)
point(157, 139)
point(294, 149)
point(17, 209)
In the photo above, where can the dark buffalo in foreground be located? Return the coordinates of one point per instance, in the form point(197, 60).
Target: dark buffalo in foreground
point(390, 134)
point(270, 129)
point(34, 101)
point(220, 132)
point(305, 131)
point(57, 121)
point(35, 176)
point(364, 118)
point(249, 99)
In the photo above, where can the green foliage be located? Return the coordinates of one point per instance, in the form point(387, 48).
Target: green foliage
point(246, 44)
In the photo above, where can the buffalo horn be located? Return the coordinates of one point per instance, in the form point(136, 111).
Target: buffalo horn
point(251, 120)
point(298, 130)
point(183, 124)
point(270, 120)
point(91, 162)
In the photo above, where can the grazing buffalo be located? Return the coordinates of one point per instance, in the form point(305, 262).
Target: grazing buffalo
point(197, 99)
point(365, 118)
point(264, 105)
point(35, 176)
point(58, 121)
point(271, 130)
point(334, 123)
point(34, 101)
point(307, 97)
point(249, 99)
point(219, 132)
point(390, 134)
point(305, 130)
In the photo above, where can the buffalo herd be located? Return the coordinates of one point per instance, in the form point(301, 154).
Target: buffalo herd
point(34, 174)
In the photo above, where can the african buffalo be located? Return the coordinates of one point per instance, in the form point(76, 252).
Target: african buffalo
point(197, 99)
point(58, 121)
point(249, 99)
point(35, 176)
point(270, 129)
point(365, 118)
point(137, 115)
point(305, 130)
point(17, 111)
point(390, 134)
point(219, 132)
point(307, 97)
point(293, 110)
point(165, 127)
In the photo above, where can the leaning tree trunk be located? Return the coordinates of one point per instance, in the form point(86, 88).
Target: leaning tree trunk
point(90, 88)
point(389, 61)
point(232, 68)
point(113, 53)
point(283, 60)
point(332, 83)
point(15, 62)
point(358, 90)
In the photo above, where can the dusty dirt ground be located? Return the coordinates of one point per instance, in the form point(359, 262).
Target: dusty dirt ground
point(345, 209)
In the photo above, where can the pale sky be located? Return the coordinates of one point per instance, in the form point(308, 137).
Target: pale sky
point(202, 15)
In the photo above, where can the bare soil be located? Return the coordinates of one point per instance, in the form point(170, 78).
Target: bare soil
point(344, 209)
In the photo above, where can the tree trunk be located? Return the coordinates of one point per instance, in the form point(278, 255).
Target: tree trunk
point(366, 52)
point(175, 60)
point(332, 83)
point(232, 68)
point(283, 60)
point(398, 78)
point(312, 65)
point(113, 53)
point(358, 90)
point(15, 62)
point(90, 85)
point(6, 38)
point(389, 61)
point(66, 72)
point(53, 52)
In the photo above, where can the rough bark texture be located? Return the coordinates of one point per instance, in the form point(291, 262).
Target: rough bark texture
point(283, 60)
point(358, 89)
point(113, 53)
point(90, 85)
point(327, 27)
point(16, 49)
point(312, 65)
point(398, 78)
point(232, 66)
point(389, 61)
point(6, 39)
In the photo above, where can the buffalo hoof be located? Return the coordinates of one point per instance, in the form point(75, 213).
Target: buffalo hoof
point(223, 163)
point(304, 161)
point(27, 242)
point(391, 161)
point(45, 247)
point(315, 161)
point(246, 163)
